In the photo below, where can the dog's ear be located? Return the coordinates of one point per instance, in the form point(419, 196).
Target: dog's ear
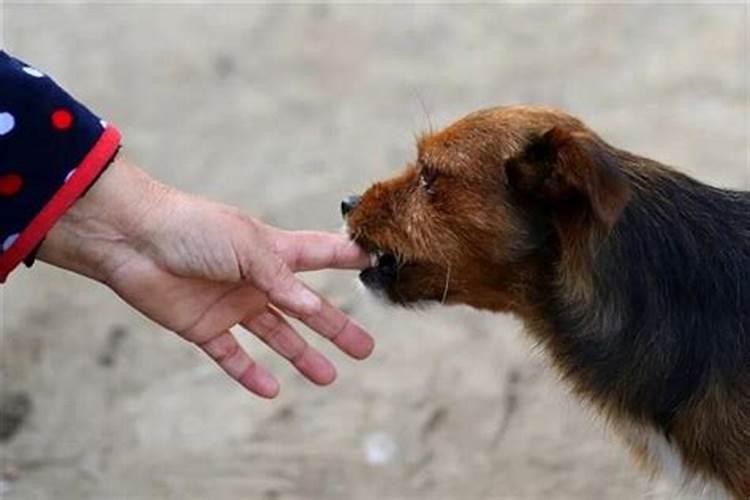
point(564, 169)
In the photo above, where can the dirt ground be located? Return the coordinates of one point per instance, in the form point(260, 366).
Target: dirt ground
point(283, 110)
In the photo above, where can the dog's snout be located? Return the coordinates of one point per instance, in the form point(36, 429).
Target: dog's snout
point(349, 203)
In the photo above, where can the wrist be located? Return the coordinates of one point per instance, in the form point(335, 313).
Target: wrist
point(105, 227)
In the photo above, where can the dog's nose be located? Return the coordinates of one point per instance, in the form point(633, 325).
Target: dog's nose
point(349, 203)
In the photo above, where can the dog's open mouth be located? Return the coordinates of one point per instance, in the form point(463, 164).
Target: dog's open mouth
point(384, 261)
point(383, 270)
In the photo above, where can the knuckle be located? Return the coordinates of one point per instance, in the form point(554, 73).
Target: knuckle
point(341, 329)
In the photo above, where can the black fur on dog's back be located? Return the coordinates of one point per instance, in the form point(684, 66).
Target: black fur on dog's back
point(668, 322)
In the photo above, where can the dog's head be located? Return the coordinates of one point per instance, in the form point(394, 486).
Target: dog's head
point(485, 202)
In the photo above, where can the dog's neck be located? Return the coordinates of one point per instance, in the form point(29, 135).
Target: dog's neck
point(668, 305)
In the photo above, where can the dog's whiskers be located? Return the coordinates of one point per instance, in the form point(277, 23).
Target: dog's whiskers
point(447, 284)
point(401, 262)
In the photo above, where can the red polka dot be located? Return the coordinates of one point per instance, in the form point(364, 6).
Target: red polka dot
point(10, 184)
point(62, 119)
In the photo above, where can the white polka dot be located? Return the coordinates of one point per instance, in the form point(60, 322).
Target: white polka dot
point(103, 123)
point(33, 72)
point(9, 241)
point(70, 174)
point(7, 122)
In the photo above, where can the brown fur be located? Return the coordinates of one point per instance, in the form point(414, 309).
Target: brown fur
point(526, 210)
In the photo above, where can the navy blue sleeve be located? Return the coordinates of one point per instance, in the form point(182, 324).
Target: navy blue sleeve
point(51, 149)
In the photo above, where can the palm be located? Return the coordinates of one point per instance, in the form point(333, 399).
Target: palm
point(194, 308)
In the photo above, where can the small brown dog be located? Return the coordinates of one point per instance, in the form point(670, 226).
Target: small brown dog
point(634, 277)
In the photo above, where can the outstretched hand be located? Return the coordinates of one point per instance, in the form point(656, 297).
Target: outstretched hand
point(199, 268)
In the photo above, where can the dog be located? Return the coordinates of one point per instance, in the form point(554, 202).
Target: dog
point(634, 277)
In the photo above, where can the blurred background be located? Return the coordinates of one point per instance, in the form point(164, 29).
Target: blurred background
point(282, 110)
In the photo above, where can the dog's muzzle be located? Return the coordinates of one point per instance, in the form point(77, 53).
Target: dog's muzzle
point(383, 270)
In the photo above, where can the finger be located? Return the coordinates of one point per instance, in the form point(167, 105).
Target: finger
point(311, 250)
point(225, 350)
point(342, 331)
point(271, 327)
point(270, 274)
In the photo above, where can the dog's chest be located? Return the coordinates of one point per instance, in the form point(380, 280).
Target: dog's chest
point(667, 460)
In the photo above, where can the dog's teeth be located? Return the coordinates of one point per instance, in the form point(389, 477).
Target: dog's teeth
point(374, 259)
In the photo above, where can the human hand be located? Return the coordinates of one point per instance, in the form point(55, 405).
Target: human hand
point(199, 268)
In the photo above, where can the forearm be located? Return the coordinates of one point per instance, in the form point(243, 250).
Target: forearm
point(106, 226)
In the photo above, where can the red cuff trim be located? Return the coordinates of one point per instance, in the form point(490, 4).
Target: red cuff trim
point(86, 172)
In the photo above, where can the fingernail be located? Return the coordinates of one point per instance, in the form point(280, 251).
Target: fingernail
point(367, 349)
point(324, 368)
point(268, 384)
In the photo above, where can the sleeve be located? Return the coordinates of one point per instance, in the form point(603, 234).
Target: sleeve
point(51, 150)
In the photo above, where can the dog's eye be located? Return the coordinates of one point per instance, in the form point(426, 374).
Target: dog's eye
point(427, 178)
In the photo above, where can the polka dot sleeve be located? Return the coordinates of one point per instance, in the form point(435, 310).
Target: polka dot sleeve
point(51, 150)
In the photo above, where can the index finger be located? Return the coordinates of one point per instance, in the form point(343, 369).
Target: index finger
point(313, 250)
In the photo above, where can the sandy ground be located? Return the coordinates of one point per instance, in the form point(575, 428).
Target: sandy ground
point(283, 110)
